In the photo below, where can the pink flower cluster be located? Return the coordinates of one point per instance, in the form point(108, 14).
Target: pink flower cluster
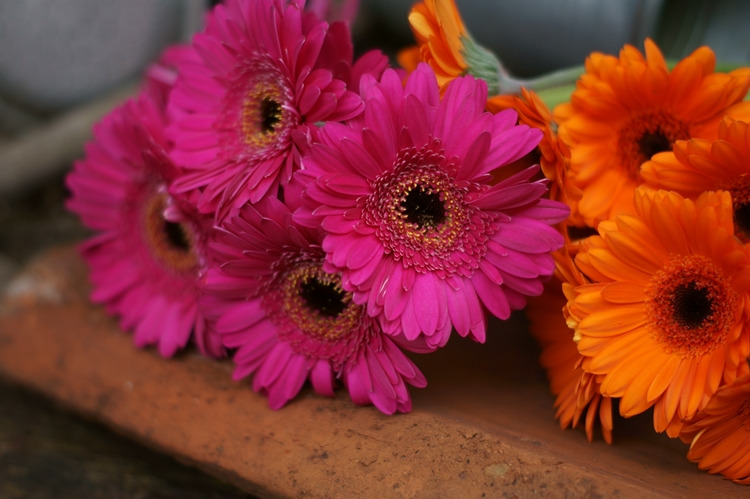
point(312, 216)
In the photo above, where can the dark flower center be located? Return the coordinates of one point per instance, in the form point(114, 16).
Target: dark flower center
point(171, 243)
point(691, 305)
point(652, 143)
point(324, 297)
point(310, 301)
point(423, 208)
point(264, 120)
point(742, 219)
point(176, 236)
point(645, 134)
point(739, 188)
point(270, 115)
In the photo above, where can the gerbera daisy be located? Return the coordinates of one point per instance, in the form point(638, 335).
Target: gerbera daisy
point(262, 73)
point(719, 435)
point(445, 44)
point(699, 165)
point(149, 250)
point(577, 392)
point(411, 222)
point(625, 110)
point(663, 319)
point(290, 319)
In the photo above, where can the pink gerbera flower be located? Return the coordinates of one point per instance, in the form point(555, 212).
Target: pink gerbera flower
point(418, 232)
point(149, 252)
point(290, 319)
point(261, 74)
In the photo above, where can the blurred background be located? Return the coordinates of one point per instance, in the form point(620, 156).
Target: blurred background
point(65, 63)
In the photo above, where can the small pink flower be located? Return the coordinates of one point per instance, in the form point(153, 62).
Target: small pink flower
point(290, 320)
point(149, 250)
point(418, 233)
point(262, 74)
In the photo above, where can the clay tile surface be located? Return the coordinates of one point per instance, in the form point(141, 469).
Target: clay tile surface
point(484, 426)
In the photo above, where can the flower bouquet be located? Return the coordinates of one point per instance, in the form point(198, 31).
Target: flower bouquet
point(313, 216)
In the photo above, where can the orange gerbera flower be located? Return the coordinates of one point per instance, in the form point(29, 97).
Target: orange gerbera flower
point(663, 319)
point(697, 165)
point(444, 43)
point(576, 391)
point(719, 435)
point(625, 110)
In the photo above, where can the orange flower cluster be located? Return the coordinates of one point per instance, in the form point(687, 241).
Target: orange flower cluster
point(653, 309)
point(657, 165)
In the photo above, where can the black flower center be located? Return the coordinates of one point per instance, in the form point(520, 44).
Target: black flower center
point(270, 115)
point(652, 143)
point(176, 236)
point(325, 297)
point(423, 208)
point(742, 219)
point(691, 305)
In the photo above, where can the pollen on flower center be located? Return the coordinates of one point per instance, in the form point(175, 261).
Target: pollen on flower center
point(270, 115)
point(690, 306)
point(740, 190)
point(327, 298)
point(171, 243)
point(420, 215)
point(262, 114)
point(646, 134)
point(315, 303)
point(423, 207)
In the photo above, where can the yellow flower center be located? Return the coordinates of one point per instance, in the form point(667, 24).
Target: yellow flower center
point(262, 112)
point(690, 306)
point(316, 304)
point(645, 134)
point(171, 243)
point(420, 205)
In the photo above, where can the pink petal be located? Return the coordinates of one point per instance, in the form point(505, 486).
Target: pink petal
point(491, 295)
point(425, 300)
point(322, 378)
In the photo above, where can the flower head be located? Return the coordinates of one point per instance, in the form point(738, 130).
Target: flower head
point(699, 165)
point(411, 221)
point(290, 319)
point(719, 435)
point(261, 75)
point(664, 318)
point(625, 110)
point(149, 250)
point(445, 44)
point(577, 392)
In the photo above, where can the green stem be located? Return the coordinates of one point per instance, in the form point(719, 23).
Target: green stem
point(563, 77)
